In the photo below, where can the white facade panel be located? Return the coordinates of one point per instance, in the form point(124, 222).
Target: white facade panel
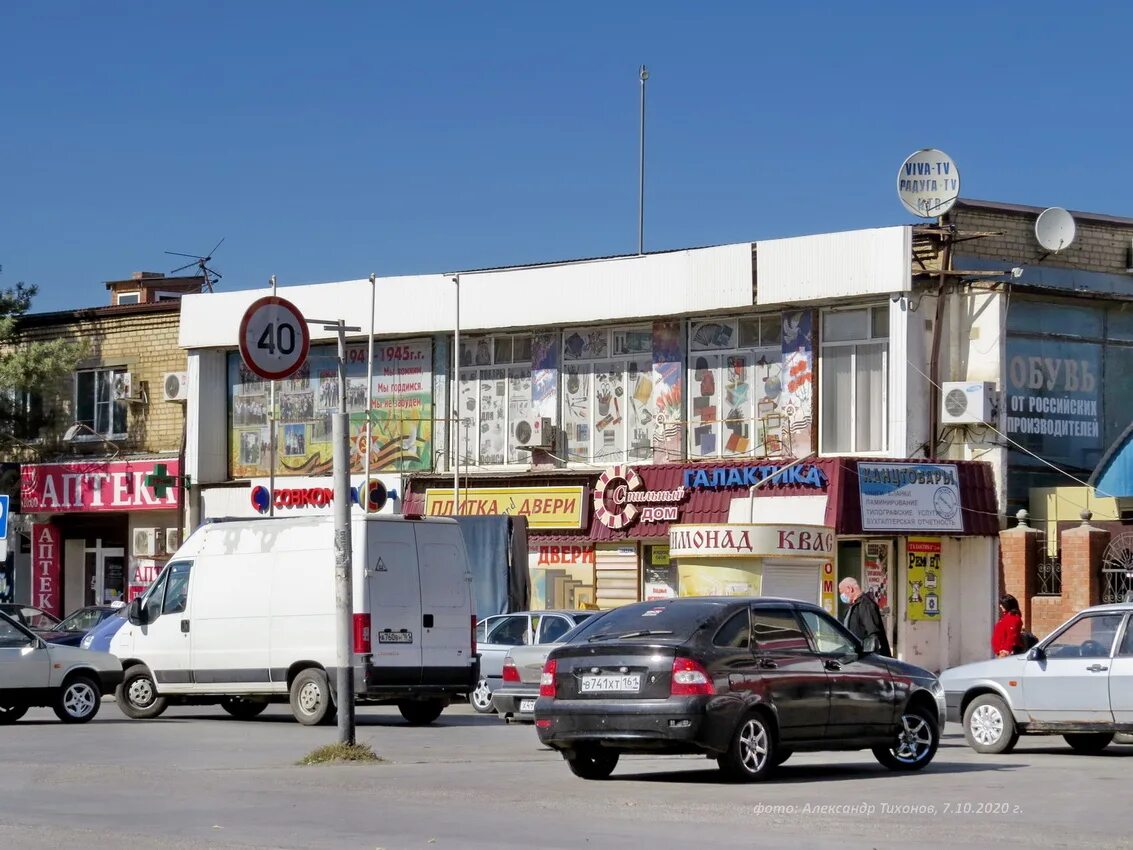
point(833, 265)
point(595, 291)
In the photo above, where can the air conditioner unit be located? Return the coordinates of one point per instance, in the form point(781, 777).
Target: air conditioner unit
point(546, 434)
point(172, 540)
point(122, 386)
point(967, 402)
point(145, 542)
point(175, 386)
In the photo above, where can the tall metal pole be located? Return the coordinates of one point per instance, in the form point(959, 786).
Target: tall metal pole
point(456, 404)
point(364, 490)
point(271, 436)
point(343, 549)
point(641, 169)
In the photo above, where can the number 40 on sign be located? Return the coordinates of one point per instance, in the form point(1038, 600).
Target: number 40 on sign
point(274, 339)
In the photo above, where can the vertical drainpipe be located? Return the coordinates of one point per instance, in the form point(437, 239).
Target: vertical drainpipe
point(934, 360)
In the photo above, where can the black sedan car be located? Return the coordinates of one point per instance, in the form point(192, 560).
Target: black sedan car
point(744, 681)
point(71, 630)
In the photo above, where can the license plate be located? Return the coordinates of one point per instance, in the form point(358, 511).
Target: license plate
point(395, 637)
point(526, 705)
point(610, 684)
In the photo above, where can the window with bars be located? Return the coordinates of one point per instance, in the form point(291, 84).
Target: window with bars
point(607, 385)
point(734, 387)
point(495, 400)
point(95, 405)
point(853, 377)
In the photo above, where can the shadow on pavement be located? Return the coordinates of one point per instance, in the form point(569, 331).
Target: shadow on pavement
point(788, 775)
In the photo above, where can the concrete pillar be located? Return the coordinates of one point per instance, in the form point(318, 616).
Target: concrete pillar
point(1018, 558)
point(1082, 551)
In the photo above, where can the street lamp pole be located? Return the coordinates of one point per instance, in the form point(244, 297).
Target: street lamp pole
point(343, 550)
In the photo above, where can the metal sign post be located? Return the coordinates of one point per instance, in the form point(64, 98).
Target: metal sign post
point(343, 548)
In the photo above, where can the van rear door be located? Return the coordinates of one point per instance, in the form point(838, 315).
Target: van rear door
point(393, 588)
point(446, 605)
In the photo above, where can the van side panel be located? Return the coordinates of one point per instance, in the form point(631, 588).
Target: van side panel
point(229, 625)
point(302, 604)
point(393, 590)
point(446, 603)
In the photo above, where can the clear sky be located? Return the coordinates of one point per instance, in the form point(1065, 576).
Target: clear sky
point(326, 141)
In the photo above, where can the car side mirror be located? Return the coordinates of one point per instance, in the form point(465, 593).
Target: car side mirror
point(870, 645)
point(1035, 653)
point(134, 612)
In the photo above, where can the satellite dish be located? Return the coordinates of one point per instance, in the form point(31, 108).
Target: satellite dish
point(1055, 229)
point(928, 183)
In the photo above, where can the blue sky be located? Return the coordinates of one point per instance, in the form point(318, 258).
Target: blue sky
point(327, 141)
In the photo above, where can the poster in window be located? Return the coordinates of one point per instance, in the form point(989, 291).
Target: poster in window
point(797, 388)
point(704, 403)
point(520, 422)
point(610, 406)
point(639, 383)
point(668, 386)
point(493, 421)
point(923, 578)
point(737, 406)
point(876, 579)
point(576, 411)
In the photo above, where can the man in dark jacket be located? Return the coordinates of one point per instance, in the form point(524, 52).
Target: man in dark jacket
point(864, 617)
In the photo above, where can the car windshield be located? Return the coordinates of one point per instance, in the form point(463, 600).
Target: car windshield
point(82, 620)
point(670, 619)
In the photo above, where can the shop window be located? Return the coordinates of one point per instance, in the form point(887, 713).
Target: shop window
point(735, 386)
point(607, 387)
point(95, 405)
point(854, 377)
point(495, 400)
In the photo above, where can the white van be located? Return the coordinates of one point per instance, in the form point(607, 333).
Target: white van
point(244, 614)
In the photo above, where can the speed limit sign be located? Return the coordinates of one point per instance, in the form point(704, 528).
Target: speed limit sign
point(274, 339)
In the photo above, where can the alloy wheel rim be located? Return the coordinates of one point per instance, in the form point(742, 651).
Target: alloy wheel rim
point(79, 700)
point(914, 739)
point(753, 746)
point(482, 696)
point(141, 692)
point(309, 697)
point(987, 725)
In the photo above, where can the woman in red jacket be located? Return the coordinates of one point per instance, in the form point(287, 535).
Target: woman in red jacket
point(1005, 638)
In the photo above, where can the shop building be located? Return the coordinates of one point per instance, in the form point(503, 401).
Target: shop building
point(100, 477)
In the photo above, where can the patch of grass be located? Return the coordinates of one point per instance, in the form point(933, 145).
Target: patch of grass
point(341, 752)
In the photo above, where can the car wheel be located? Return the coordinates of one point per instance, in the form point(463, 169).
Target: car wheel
point(916, 741)
point(310, 697)
point(751, 755)
point(421, 712)
point(77, 701)
point(137, 695)
point(481, 698)
point(989, 726)
point(243, 708)
point(593, 762)
point(1089, 742)
point(11, 713)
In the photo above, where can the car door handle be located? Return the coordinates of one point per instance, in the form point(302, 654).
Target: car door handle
point(831, 664)
point(185, 626)
point(1096, 668)
point(767, 664)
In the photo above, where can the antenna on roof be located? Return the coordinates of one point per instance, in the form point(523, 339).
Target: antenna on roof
point(211, 276)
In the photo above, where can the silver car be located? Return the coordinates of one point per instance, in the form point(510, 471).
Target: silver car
point(496, 635)
point(1077, 682)
point(33, 672)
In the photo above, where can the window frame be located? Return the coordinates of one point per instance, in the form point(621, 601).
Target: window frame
point(854, 345)
point(752, 354)
point(471, 388)
point(114, 410)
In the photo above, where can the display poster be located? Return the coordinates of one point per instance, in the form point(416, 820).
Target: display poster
point(923, 578)
point(737, 579)
point(568, 584)
point(400, 417)
point(877, 572)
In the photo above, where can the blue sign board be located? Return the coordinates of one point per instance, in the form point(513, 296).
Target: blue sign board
point(4, 516)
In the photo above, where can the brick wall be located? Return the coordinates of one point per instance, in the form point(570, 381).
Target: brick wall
point(143, 343)
point(1102, 243)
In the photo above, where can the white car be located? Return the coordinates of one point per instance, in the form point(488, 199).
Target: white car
point(69, 679)
point(1077, 682)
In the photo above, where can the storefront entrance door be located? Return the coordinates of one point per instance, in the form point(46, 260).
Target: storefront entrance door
point(104, 574)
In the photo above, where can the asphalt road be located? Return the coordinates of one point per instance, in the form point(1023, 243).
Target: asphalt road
point(198, 779)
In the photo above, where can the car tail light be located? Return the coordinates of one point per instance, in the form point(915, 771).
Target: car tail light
point(362, 633)
point(511, 672)
point(547, 680)
point(690, 678)
point(473, 635)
